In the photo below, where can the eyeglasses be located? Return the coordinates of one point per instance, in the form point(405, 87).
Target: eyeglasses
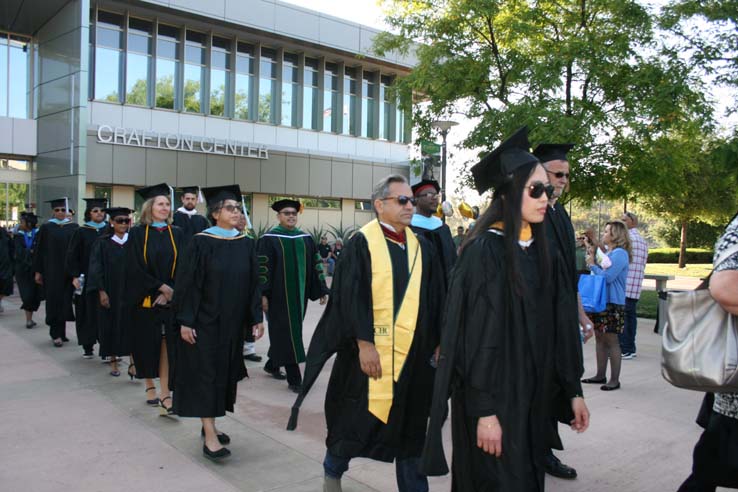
point(427, 194)
point(96, 210)
point(232, 208)
point(537, 189)
point(401, 199)
point(289, 214)
point(559, 174)
point(60, 209)
point(122, 220)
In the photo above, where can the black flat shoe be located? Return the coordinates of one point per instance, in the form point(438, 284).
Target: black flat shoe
point(215, 455)
point(556, 468)
point(594, 380)
point(605, 387)
point(252, 357)
point(276, 374)
point(30, 324)
point(223, 438)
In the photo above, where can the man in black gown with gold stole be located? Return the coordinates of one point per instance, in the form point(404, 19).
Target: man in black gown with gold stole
point(383, 323)
point(50, 272)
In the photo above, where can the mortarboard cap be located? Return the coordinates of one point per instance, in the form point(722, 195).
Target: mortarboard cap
point(59, 202)
point(161, 189)
point(114, 212)
point(216, 194)
point(426, 183)
point(96, 202)
point(287, 202)
point(190, 189)
point(552, 152)
point(496, 167)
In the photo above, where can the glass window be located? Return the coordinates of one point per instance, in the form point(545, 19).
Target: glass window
point(108, 56)
point(368, 102)
point(167, 65)
point(19, 80)
point(364, 205)
point(267, 85)
point(333, 203)
point(138, 62)
point(290, 89)
point(310, 93)
point(14, 165)
point(194, 71)
point(220, 75)
point(349, 101)
point(3, 74)
point(330, 98)
point(244, 81)
point(385, 112)
point(102, 191)
point(13, 200)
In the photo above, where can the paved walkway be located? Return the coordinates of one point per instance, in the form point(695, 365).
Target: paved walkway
point(69, 426)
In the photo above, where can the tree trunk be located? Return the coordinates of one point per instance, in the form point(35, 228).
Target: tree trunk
point(683, 246)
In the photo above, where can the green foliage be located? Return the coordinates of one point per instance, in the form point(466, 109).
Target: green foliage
point(700, 235)
point(165, 92)
point(671, 255)
point(341, 232)
point(316, 232)
point(648, 304)
point(260, 230)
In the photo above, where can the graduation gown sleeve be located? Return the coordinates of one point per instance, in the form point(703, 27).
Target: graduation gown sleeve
point(73, 261)
point(39, 247)
point(189, 284)
point(95, 280)
point(266, 260)
point(316, 287)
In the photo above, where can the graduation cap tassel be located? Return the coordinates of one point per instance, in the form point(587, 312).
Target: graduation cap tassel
point(171, 199)
point(246, 214)
point(66, 207)
point(200, 198)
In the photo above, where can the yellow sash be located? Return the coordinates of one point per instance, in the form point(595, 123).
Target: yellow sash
point(392, 336)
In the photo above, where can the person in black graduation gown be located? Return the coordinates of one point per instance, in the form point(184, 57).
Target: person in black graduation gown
point(77, 264)
point(384, 313)
point(106, 285)
point(186, 216)
point(50, 272)
point(561, 238)
point(25, 242)
point(152, 256)
point(6, 265)
point(500, 345)
point(217, 295)
point(427, 194)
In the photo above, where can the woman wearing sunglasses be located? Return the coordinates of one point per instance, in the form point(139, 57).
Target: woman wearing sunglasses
point(106, 280)
point(500, 348)
point(217, 297)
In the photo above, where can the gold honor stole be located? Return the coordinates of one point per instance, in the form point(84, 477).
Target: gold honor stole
point(392, 336)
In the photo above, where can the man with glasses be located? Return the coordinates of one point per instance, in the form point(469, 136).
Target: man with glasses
point(633, 285)
point(383, 323)
point(78, 262)
point(290, 273)
point(187, 217)
point(49, 269)
point(427, 193)
point(562, 241)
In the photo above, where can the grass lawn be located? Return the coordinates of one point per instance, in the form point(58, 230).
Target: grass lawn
point(700, 270)
point(647, 304)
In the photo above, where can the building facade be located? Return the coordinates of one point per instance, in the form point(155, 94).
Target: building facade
point(99, 98)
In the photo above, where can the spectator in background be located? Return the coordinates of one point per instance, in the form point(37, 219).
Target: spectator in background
point(326, 255)
point(459, 237)
point(639, 256)
point(338, 249)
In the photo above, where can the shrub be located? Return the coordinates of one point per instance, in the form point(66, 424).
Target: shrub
point(671, 255)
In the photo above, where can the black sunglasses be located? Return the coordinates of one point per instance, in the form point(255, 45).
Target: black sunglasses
point(122, 220)
point(402, 199)
point(232, 208)
point(559, 174)
point(61, 209)
point(288, 214)
point(537, 189)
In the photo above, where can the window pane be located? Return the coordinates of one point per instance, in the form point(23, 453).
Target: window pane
point(137, 77)
point(109, 38)
point(221, 43)
point(221, 59)
point(166, 49)
point(139, 26)
point(219, 87)
point(267, 89)
point(246, 49)
point(194, 77)
point(245, 64)
point(19, 80)
point(244, 87)
point(166, 83)
point(3, 76)
point(171, 33)
point(310, 108)
point(195, 37)
point(109, 19)
point(17, 199)
point(107, 74)
point(140, 44)
point(289, 104)
point(195, 54)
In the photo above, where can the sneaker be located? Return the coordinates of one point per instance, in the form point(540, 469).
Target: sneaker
point(628, 355)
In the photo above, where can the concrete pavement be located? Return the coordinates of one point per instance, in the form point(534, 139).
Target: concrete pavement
point(68, 425)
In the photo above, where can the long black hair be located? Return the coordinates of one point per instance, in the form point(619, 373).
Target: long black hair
point(506, 206)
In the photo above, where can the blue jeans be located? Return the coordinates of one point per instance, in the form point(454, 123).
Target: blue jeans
point(408, 478)
point(628, 337)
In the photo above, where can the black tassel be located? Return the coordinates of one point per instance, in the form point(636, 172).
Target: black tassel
point(292, 423)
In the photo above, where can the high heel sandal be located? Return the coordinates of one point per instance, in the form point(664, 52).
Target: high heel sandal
point(154, 401)
point(163, 410)
point(131, 374)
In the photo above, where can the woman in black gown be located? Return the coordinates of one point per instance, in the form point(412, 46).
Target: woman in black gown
point(106, 282)
point(151, 260)
point(217, 295)
point(24, 243)
point(500, 344)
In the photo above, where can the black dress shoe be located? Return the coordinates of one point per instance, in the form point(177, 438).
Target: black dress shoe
point(605, 387)
point(295, 388)
point(276, 374)
point(223, 438)
point(64, 339)
point(252, 357)
point(215, 455)
point(556, 468)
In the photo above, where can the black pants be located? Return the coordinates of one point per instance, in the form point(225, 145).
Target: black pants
point(294, 377)
point(714, 462)
point(58, 330)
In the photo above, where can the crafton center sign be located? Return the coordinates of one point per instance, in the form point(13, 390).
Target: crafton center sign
point(172, 141)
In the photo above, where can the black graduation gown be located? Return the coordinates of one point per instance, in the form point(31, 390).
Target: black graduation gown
point(218, 295)
point(561, 241)
point(190, 224)
point(444, 245)
point(49, 260)
point(6, 263)
point(286, 314)
point(77, 263)
point(352, 430)
point(144, 279)
point(30, 291)
point(107, 272)
point(499, 352)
